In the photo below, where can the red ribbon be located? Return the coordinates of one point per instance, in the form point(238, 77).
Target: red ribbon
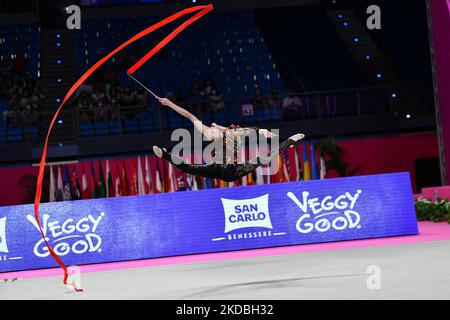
point(203, 10)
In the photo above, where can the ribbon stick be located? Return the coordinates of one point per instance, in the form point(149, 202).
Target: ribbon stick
point(201, 11)
point(143, 85)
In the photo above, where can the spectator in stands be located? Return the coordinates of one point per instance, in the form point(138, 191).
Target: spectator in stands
point(291, 106)
point(194, 89)
point(126, 97)
point(36, 96)
point(101, 110)
point(30, 83)
point(84, 100)
point(114, 93)
point(208, 87)
point(85, 105)
point(84, 87)
point(28, 115)
point(208, 95)
point(24, 99)
point(20, 64)
point(84, 117)
point(98, 94)
point(21, 89)
point(258, 100)
point(216, 101)
point(274, 99)
point(114, 109)
point(142, 99)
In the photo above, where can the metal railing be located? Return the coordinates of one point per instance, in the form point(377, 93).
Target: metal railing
point(414, 99)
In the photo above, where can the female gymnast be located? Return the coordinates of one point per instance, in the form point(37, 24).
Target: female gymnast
point(228, 170)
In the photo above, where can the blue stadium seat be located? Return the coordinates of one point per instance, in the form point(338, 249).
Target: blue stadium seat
point(101, 128)
point(249, 119)
point(275, 114)
point(146, 125)
point(220, 117)
point(32, 132)
point(263, 115)
point(86, 129)
point(160, 119)
point(131, 126)
point(15, 134)
point(114, 127)
point(227, 46)
point(175, 121)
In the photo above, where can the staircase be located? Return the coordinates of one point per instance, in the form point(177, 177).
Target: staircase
point(371, 58)
point(57, 62)
point(366, 47)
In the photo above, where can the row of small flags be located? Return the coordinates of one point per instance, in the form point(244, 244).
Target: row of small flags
point(148, 175)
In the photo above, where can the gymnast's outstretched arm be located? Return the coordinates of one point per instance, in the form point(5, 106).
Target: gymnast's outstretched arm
point(183, 112)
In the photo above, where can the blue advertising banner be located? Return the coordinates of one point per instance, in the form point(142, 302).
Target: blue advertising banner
point(215, 220)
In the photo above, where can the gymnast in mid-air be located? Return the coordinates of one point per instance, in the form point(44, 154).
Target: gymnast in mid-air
point(228, 169)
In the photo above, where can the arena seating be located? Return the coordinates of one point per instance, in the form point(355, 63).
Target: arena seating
point(226, 46)
point(24, 39)
point(237, 58)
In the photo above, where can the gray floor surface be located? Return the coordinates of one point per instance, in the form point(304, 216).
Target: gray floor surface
point(414, 271)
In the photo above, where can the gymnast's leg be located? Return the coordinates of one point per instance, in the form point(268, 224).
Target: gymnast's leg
point(241, 170)
point(208, 171)
point(274, 153)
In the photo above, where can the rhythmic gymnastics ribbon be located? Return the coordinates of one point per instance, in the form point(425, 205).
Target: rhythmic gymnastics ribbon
point(201, 11)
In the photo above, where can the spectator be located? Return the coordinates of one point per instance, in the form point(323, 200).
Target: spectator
point(274, 100)
point(101, 110)
point(98, 94)
point(127, 97)
point(84, 117)
point(114, 94)
point(291, 106)
point(35, 98)
point(85, 101)
point(21, 89)
point(30, 83)
point(216, 101)
point(85, 105)
point(258, 101)
point(84, 87)
point(114, 109)
point(20, 64)
point(208, 87)
point(194, 89)
point(142, 99)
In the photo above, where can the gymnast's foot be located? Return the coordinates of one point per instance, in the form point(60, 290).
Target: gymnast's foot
point(297, 137)
point(158, 151)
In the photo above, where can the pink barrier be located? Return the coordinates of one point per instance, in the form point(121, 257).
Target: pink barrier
point(436, 192)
